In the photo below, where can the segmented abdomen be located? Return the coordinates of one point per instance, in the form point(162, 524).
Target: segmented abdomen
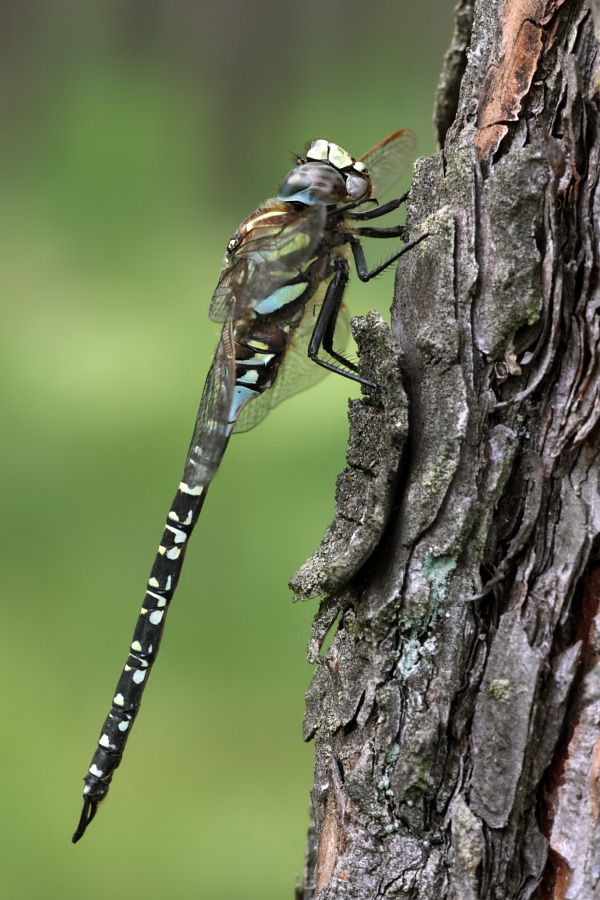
point(181, 519)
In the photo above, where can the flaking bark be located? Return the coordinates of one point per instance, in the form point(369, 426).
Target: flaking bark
point(456, 713)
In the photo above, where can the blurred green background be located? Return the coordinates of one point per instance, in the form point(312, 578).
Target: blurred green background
point(136, 135)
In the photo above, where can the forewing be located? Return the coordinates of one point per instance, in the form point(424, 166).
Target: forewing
point(297, 371)
point(273, 250)
point(388, 161)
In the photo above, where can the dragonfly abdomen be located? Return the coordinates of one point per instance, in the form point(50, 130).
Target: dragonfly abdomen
point(260, 343)
point(257, 345)
point(143, 649)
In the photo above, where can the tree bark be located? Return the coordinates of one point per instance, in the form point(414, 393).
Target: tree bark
point(456, 713)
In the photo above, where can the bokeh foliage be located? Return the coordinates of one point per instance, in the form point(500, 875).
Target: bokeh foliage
point(136, 136)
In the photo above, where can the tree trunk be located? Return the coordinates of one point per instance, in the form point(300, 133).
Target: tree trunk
point(456, 713)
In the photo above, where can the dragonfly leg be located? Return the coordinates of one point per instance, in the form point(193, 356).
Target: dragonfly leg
point(324, 329)
point(396, 231)
point(355, 204)
point(328, 337)
point(382, 210)
point(363, 271)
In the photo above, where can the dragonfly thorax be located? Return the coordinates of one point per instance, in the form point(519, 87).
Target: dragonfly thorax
point(328, 174)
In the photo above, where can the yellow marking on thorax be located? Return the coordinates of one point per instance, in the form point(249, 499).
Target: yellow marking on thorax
point(270, 214)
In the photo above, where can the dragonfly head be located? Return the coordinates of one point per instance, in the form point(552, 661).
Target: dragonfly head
point(326, 175)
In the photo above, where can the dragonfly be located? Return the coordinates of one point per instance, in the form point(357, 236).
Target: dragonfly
point(278, 297)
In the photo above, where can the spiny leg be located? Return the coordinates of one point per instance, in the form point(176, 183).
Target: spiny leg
point(323, 333)
point(324, 329)
point(395, 231)
point(328, 338)
point(363, 271)
point(378, 211)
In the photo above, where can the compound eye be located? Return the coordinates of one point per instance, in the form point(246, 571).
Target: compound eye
point(295, 182)
point(358, 187)
point(313, 183)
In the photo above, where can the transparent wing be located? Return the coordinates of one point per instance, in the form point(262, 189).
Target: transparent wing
point(274, 246)
point(388, 161)
point(212, 428)
point(297, 372)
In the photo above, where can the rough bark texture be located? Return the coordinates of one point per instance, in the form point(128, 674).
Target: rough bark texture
point(456, 714)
